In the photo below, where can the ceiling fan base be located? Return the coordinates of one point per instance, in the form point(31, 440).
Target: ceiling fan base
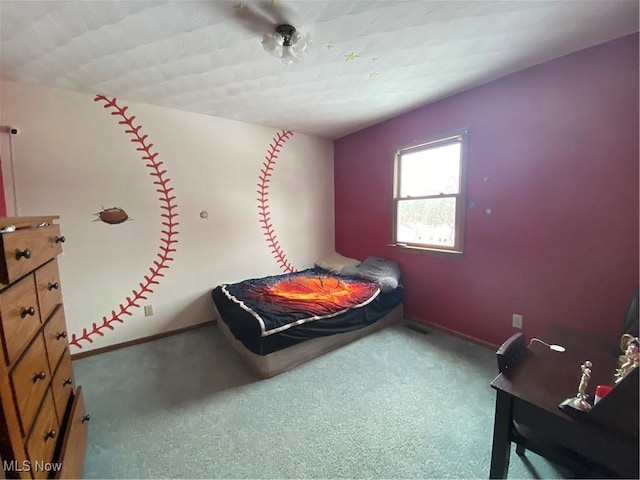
point(286, 31)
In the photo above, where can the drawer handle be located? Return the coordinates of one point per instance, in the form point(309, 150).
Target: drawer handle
point(60, 335)
point(60, 239)
point(66, 382)
point(26, 253)
point(53, 286)
point(27, 311)
point(49, 434)
point(86, 418)
point(39, 376)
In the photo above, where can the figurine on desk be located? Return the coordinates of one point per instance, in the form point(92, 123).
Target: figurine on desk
point(631, 357)
point(579, 402)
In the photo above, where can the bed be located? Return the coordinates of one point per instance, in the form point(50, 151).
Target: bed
point(278, 322)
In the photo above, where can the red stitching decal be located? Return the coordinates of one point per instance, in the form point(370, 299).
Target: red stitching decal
point(168, 232)
point(263, 200)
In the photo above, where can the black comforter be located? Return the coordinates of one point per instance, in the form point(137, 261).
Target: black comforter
point(271, 313)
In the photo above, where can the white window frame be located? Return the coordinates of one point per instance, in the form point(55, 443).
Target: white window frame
point(460, 197)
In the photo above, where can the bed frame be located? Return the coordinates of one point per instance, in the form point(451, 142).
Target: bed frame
point(274, 363)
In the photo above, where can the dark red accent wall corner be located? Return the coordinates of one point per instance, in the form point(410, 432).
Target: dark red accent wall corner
point(558, 145)
point(3, 203)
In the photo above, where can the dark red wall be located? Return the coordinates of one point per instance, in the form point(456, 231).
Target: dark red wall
point(559, 145)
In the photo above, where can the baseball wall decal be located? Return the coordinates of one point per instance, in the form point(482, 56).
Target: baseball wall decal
point(168, 237)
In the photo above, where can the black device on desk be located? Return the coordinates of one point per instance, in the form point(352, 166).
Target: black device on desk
point(602, 441)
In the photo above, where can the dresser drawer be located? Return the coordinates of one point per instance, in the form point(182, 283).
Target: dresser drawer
point(74, 443)
point(27, 249)
point(42, 440)
point(48, 288)
point(20, 316)
point(30, 379)
point(63, 384)
point(55, 337)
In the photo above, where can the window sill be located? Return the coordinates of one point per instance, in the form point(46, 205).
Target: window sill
point(424, 249)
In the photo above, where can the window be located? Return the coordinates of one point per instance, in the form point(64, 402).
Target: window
point(429, 193)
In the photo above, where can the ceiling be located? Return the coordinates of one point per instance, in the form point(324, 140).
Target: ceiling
point(368, 61)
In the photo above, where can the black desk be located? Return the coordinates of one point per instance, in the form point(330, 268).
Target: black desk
point(604, 441)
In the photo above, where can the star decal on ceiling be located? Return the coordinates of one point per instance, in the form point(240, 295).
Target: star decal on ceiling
point(241, 8)
point(373, 74)
point(330, 46)
point(351, 57)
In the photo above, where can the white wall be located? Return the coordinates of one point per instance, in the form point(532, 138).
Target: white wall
point(72, 158)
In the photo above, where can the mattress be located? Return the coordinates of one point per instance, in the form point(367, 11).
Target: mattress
point(279, 361)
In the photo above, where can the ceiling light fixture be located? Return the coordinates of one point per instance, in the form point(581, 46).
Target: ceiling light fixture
point(286, 44)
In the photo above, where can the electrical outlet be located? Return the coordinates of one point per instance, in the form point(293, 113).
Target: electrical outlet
point(517, 320)
point(148, 310)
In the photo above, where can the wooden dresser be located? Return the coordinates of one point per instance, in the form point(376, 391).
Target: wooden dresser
point(43, 424)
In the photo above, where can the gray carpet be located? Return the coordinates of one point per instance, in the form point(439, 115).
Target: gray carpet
point(396, 404)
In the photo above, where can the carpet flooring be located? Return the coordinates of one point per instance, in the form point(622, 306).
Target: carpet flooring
point(396, 404)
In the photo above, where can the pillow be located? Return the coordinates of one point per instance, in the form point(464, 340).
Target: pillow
point(334, 262)
point(386, 273)
point(349, 271)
